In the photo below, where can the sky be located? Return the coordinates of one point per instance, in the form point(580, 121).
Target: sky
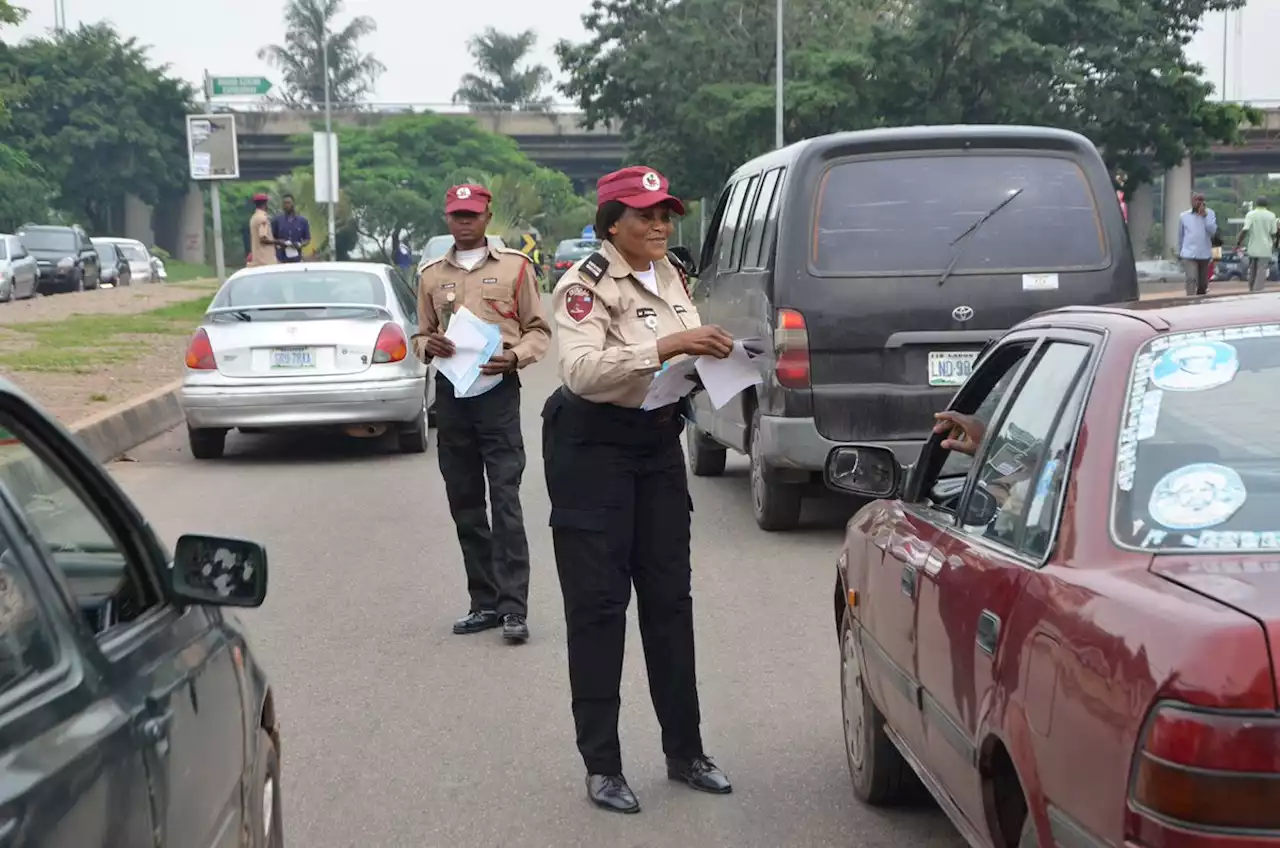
point(425, 47)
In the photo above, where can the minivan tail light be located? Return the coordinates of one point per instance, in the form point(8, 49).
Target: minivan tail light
point(200, 352)
point(791, 348)
point(391, 346)
point(1214, 770)
point(563, 265)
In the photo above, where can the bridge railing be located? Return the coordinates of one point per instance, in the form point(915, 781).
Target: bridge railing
point(234, 104)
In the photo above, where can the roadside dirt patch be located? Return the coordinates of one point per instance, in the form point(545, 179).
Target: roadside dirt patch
point(78, 354)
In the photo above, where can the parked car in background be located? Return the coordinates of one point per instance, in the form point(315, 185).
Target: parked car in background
point(879, 263)
point(141, 262)
point(1160, 271)
point(319, 344)
point(1232, 266)
point(66, 257)
point(135, 712)
point(568, 252)
point(438, 246)
point(115, 269)
point(19, 274)
point(1069, 636)
point(158, 272)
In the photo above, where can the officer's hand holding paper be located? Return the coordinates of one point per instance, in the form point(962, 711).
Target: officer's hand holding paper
point(474, 344)
point(722, 378)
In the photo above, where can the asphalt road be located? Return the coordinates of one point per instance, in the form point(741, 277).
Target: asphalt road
point(398, 733)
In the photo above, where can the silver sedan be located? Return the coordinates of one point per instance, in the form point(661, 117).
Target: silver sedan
point(321, 344)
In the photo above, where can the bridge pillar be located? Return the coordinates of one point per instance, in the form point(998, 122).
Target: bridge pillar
point(191, 227)
point(138, 221)
point(1178, 183)
point(1142, 217)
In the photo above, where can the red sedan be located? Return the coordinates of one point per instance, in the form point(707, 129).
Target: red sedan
point(1069, 636)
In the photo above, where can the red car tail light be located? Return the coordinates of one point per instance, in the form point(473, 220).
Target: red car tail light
point(563, 265)
point(1207, 769)
point(391, 346)
point(791, 344)
point(200, 352)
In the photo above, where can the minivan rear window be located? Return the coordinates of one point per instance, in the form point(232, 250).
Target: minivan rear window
point(904, 215)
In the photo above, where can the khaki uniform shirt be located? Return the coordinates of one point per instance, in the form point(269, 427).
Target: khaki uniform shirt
point(259, 229)
point(608, 331)
point(501, 290)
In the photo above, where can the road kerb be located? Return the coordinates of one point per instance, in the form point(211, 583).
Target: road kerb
point(112, 432)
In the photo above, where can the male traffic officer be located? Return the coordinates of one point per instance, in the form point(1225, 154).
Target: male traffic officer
point(481, 435)
point(262, 244)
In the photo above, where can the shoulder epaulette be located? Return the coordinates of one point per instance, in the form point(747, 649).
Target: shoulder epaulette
point(422, 266)
point(511, 251)
point(594, 267)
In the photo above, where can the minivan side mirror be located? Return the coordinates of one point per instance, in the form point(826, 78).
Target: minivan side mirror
point(219, 572)
point(870, 471)
point(684, 257)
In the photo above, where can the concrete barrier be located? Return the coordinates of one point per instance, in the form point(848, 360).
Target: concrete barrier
point(113, 431)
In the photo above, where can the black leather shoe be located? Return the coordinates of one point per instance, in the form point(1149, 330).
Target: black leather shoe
point(701, 774)
point(514, 629)
point(611, 792)
point(476, 621)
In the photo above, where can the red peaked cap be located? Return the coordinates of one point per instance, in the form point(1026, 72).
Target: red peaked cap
point(639, 187)
point(260, 198)
point(467, 198)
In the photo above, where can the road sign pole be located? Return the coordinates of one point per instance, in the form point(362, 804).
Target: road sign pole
point(215, 199)
point(331, 165)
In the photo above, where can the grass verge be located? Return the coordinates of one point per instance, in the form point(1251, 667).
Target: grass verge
point(177, 271)
point(81, 344)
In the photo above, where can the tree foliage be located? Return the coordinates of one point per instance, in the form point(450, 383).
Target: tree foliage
point(501, 83)
point(692, 81)
point(97, 121)
point(397, 174)
point(309, 25)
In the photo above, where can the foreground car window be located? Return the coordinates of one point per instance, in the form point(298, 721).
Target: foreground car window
point(72, 534)
point(1198, 466)
point(26, 643)
point(304, 286)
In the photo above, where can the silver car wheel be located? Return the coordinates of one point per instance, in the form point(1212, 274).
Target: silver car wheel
point(852, 702)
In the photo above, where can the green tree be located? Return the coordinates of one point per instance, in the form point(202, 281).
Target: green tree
point(99, 121)
point(692, 81)
point(26, 195)
point(502, 84)
point(309, 26)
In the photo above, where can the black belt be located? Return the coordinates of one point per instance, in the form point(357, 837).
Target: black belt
point(608, 414)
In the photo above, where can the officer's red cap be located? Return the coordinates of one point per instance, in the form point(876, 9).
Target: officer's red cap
point(467, 198)
point(638, 187)
point(260, 198)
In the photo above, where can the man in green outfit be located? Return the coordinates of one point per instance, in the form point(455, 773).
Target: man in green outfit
point(1259, 237)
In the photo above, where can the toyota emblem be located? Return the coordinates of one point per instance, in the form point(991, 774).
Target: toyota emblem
point(962, 313)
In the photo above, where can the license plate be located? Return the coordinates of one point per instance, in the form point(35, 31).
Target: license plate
point(950, 369)
point(293, 357)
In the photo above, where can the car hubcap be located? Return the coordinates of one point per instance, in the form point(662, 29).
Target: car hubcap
point(268, 807)
point(851, 701)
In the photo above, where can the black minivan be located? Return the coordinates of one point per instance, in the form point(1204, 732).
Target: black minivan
point(880, 263)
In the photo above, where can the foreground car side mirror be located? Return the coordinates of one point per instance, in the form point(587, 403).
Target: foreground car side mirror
point(684, 257)
point(219, 572)
point(869, 471)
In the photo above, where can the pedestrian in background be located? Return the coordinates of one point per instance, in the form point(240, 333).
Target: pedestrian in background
point(620, 506)
point(1196, 229)
point(262, 250)
point(291, 231)
point(1259, 239)
point(481, 435)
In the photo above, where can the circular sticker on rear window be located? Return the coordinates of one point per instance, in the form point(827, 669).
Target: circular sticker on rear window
point(1195, 367)
point(1197, 496)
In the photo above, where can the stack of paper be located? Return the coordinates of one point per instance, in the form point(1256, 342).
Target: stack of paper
point(475, 343)
point(724, 379)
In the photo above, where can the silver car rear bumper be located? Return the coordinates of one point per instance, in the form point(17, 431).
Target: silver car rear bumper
point(303, 405)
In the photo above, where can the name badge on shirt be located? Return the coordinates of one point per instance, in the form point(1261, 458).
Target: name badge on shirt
point(680, 310)
point(489, 280)
point(448, 285)
point(646, 312)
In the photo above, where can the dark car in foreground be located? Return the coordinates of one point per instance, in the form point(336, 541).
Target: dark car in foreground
point(66, 257)
point(568, 252)
point(879, 263)
point(132, 710)
point(1070, 635)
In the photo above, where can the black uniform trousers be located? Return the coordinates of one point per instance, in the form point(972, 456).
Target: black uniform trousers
point(479, 437)
point(620, 513)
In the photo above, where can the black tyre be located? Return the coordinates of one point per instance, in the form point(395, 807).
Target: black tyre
point(776, 505)
point(266, 825)
point(412, 438)
point(706, 458)
point(207, 444)
point(79, 283)
point(881, 777)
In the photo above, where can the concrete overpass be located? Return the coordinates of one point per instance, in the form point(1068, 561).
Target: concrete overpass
point(555, 140)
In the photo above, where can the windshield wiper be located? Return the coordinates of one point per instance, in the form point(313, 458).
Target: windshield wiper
point(973, 228)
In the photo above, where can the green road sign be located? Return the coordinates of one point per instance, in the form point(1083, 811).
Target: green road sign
point(239, 85)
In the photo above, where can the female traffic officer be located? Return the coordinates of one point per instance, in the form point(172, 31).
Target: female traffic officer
point(620, 504)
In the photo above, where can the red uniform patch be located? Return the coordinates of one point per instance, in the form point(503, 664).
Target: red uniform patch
point(578, 302)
